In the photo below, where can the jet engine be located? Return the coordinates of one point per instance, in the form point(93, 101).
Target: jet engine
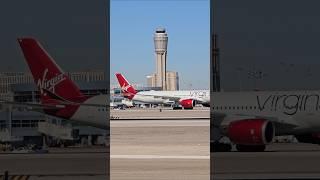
point(187, 103)
point(251, 132)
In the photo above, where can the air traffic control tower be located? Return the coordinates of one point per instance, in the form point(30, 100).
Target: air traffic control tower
point(160, 44)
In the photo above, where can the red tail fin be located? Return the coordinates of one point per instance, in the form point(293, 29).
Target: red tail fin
point(126, 88)
point(47, 74)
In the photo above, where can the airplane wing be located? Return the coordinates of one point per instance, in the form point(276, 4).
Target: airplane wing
point(174, 98)
point(30, 105)
point(62, 103)
point(170, 98)
point(38, 106)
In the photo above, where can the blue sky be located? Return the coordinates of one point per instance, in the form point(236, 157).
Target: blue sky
point(131, 40)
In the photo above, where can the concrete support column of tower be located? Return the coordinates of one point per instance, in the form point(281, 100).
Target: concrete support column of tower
point(164, 71)
point(158, 70)
point(160, 43)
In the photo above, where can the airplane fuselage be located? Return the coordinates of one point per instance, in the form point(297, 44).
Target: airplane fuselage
point(93, 115)
point(162, 97)
point(298, 109)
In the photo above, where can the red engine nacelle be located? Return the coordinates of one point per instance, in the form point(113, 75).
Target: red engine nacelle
point(251, 132)
point(187, 103)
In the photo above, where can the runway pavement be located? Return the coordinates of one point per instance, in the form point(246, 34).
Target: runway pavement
point(280, 161)
point(160, 149)
point(160, 113)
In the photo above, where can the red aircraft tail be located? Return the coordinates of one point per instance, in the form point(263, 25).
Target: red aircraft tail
point(127, 89)
point(50, 79)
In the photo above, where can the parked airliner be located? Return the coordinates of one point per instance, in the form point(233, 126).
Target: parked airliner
point(187, 99)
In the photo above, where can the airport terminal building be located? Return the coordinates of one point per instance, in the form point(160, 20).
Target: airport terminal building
point(20, 125)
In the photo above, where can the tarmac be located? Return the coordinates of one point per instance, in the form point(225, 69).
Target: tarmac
point(66, 163)
point(160, 113)
point(279, 161)
point(165, 148)
point(160, 149)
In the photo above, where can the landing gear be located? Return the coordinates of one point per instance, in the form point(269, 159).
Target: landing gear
point(220, 147)
point(250, 148)
point(176, 107)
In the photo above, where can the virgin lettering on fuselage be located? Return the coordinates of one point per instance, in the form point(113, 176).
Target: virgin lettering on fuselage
point(199, 94)
point(289, 104)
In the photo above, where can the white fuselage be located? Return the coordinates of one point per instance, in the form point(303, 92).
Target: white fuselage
point(93, 115)
point(166, 97)
point(296, 111)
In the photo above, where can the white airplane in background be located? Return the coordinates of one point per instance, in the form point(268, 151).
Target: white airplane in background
point(252, 119)
point(187, 99)
point(60, 96)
